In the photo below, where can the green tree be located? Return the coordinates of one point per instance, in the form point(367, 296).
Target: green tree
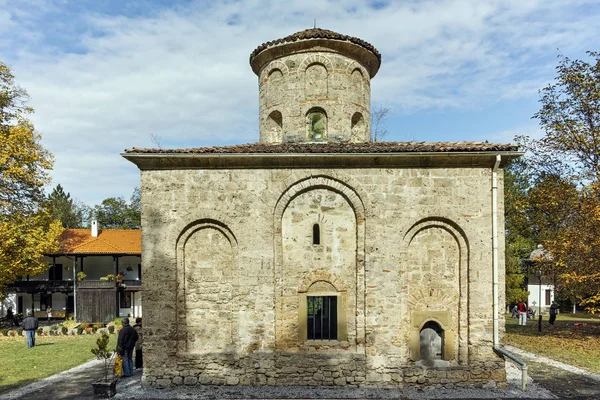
point(519, 240)
point(117, 213)
point(570, 113)
point(69, 212)
point(27, 230)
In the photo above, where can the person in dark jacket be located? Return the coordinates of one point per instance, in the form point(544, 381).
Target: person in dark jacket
point(30, 324)
point(126, 343)
point(138, 344)
point(553, 311)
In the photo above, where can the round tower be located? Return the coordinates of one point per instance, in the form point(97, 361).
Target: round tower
point(315, 86)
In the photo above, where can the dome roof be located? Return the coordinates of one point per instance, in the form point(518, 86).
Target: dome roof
point(322, 35)
point(316, 33)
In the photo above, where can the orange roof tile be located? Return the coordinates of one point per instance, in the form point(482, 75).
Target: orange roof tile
point(109, 241)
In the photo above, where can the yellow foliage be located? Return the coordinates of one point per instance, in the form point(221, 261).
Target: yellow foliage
point(27, 231)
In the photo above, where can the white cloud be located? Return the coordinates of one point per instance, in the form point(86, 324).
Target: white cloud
point(183, 74)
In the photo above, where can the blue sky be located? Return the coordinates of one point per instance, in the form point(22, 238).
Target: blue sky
point(108, 75)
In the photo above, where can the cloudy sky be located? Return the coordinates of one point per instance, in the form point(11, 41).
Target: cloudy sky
point(105, 75)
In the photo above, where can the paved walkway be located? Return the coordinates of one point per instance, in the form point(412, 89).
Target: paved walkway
point(551, 379)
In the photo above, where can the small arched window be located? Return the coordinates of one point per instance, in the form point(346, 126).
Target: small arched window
point(275, 126)
point(316, 234)
point(316, 122)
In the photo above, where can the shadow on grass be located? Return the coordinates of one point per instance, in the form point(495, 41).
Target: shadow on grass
point(44, 344)
point(8, 388)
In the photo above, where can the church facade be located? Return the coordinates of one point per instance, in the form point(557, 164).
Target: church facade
point(317, 257)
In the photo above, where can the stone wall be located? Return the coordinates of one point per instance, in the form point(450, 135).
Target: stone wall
point(228, 258)
point(291, 87)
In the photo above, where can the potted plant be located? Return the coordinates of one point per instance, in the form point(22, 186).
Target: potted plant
point(81, 276)
point(106, 387)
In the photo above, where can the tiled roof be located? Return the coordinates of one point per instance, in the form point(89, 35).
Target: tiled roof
point(316, 33)
point(339, 148)
point(109, 241)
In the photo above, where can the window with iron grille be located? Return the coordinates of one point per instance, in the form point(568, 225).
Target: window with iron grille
point(322, 317)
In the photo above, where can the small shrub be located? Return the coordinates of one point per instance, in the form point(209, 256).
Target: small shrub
point(70, 324)
point(80, 330)
point(89, 330)
point(20, 331)
point(111, 329)
point(118, 322)
point(64, 330)
point(40, 331)
point(4, 332)
point(98, 326)
point(12, 333)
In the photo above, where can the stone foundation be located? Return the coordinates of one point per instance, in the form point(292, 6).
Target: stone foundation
point(320, 370)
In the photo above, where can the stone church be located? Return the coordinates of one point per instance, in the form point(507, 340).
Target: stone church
point(317, 257)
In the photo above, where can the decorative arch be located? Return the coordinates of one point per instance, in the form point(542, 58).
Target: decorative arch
point(316, 81)
point(319, 181)
point(274, 65)
point(316, 59)
point(420, 312)
point(182, 324)
point(321, 276)
point(297, 188)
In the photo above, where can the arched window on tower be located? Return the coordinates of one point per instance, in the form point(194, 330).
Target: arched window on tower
point(316, 234)
point(316, 123)
point(358, 128)
point(275, 127)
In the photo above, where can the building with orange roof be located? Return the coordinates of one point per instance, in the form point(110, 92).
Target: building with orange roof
point(106, 266)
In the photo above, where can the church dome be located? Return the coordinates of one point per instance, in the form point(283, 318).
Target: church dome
point(308, 38)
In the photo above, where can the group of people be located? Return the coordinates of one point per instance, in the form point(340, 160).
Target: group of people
point(130, 338)
point(522, 312)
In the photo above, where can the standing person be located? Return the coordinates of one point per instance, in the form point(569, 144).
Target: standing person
point(30, 324)
point(10, 316)
point(138, 344)
point(553, 312)
point(522, 313)
point(515, 312)
point(49, 313)
point(126, 343)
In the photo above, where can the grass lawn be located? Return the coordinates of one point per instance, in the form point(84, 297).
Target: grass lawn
point(563, 341)
point(50, 355)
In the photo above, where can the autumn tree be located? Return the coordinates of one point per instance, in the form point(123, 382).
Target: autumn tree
point(70, 212)
point(564, 198)
point(27, 230)
point(117, 213)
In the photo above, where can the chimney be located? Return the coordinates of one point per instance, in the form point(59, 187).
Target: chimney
point(94, 228)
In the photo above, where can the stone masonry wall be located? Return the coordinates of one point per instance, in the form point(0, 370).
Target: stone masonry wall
point(291, 86)
point(219, 251)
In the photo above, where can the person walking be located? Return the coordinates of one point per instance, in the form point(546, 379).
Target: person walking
point(126, 343)
point(138, 344)
point(30, 324)
point(522, 313)
point(553, 312)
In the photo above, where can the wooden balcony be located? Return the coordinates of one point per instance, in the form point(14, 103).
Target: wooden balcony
point(41, 286)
